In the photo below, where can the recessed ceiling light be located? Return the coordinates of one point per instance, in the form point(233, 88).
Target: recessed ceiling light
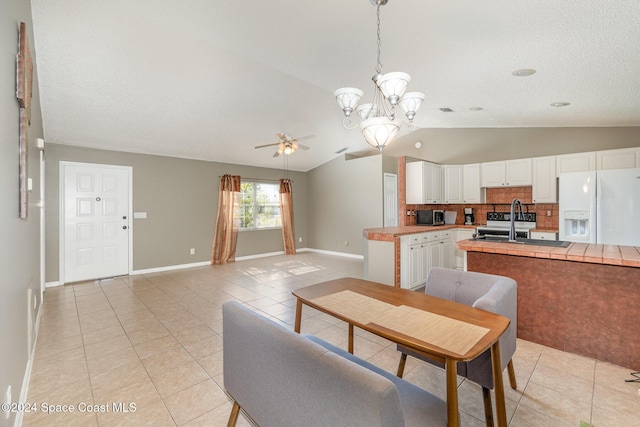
point(524, 72)
point(418, 144)
point(560, 104)
point(446, 110)
point(475, 108)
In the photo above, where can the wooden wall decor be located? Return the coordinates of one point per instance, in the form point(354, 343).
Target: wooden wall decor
point(24, 81)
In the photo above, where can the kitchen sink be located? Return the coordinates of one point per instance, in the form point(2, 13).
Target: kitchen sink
point(539, 242)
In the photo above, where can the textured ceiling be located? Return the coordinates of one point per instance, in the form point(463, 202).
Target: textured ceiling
point(212, 79)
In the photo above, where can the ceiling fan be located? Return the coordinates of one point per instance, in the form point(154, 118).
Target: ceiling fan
point(286, 144)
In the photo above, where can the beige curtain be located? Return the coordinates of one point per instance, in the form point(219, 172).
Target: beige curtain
point(226, 236)
point(286, 216)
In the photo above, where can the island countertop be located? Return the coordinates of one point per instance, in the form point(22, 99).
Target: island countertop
point(627, 256)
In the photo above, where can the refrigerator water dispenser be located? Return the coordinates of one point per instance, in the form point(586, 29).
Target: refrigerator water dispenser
point(577, 224)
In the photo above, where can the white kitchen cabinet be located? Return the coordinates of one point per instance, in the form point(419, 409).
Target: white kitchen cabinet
point(545, 184)
point(471, 190)
point(618, 159)
point(509, 173)
point(544, 235)
point(422, 251)
point(453, 183)
point(576, 162)
point(423, 183)
point(460, 234)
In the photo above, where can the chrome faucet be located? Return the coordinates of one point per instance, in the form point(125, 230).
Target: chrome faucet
point(512, 218)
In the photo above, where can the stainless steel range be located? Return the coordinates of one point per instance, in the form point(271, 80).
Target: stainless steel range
point(498, 224)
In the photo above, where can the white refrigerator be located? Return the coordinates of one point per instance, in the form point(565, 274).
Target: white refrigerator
point(600, 207)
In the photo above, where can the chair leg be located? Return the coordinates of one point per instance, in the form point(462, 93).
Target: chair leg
point(512, 375)
point(488, 409)
point(233, 417)
point(403, 360)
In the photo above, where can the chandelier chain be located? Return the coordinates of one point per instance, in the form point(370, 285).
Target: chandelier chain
point(378, 64)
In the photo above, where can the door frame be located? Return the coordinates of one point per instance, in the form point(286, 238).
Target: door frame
point(394, 178)
point(61, 212)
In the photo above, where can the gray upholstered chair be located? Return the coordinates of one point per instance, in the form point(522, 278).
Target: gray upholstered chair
point(497, 294)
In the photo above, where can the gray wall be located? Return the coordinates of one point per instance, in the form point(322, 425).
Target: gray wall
point(180, 197)
point(345, 197)
point(19, 252)
point(473, 145)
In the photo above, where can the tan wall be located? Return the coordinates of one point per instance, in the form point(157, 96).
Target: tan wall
point(460, 146)
point(180, 197)
point(345, 197)
point(20, 241)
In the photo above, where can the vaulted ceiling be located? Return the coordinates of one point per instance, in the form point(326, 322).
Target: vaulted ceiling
point(212, 79)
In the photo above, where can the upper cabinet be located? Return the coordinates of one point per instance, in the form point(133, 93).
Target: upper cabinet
point(618, 159)
point(453, 183)
point(509, 173)
point(545, 188)
point(576, 162)
point(424, 183)
point(471, 190)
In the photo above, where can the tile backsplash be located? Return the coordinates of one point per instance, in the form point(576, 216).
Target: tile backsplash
point(498, 199)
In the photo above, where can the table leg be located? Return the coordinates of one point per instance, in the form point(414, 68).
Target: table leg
point(350, 338)
point(501, 411)
point(452, 393)
point(296, 325)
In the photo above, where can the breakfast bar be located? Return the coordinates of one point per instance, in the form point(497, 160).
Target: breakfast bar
point(583, 299)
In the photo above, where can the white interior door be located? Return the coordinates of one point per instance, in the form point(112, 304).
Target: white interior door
point(390, 200)
point(95, 214)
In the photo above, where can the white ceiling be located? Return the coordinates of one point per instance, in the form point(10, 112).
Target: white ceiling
point(212, 79)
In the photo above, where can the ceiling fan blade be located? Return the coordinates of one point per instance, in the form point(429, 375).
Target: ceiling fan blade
point(303, 147)
point(306, 137)
point(267, 145)
point(276, 154)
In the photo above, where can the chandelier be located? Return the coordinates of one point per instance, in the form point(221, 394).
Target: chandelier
point(377, 119)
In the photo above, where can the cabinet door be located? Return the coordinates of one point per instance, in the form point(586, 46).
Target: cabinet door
point(461, 234)
point(493, 174)
point(545, 187)
point(518, 172)
point(415, 265)
point(415, 183)
point(577, 162)
point(432, 183)
point(436, 255)
point(471, 192)
point(617, 159)
point(452, 183)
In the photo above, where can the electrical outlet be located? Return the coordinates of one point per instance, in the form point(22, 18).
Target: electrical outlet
point(300, 239)
point(548, 213)
point(346, 243)
point(192, 251)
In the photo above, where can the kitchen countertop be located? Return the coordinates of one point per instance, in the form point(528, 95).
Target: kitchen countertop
point(627, 256)
point(388, 234)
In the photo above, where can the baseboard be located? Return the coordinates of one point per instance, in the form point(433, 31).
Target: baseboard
point(24, 392)
point(242, 258)
point(342, 254)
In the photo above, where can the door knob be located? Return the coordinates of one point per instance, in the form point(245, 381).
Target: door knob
point(124, 227)
point(124, 217)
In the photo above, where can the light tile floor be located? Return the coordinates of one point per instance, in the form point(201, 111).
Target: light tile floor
point(154, 341)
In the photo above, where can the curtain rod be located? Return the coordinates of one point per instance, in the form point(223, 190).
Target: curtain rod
point(259, 179)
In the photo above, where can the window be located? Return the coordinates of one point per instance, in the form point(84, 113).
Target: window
point(259, 206)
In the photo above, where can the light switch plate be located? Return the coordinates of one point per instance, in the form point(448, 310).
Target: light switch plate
point(140, 215)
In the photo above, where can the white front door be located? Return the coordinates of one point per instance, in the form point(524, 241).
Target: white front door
point(95, 217)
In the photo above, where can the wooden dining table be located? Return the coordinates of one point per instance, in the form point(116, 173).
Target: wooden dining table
point(442, 330)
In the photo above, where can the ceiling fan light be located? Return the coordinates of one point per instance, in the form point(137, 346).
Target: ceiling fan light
point(393, 85)
point(295, 146)
point(379, 131)
point(410, 104)
point(288, 150)
point(348, 98)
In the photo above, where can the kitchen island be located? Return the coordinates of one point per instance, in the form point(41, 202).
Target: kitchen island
point(583, 299)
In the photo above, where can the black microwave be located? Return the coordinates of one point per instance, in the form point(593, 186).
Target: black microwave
point(429, 217)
